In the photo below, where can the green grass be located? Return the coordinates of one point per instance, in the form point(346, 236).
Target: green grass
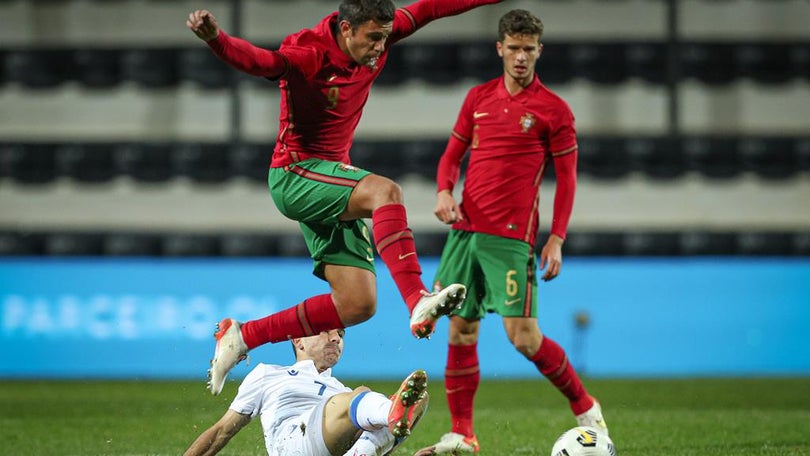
point(686, 417)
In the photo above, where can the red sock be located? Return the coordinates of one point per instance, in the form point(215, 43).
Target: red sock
point(396, 248)
point(552, 362)
point(461, 377)
point(308, 318)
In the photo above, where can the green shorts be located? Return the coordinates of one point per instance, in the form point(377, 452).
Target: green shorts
point(314, 193)
point(499, 274)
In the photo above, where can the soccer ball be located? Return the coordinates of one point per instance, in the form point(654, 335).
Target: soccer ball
point(583, 441)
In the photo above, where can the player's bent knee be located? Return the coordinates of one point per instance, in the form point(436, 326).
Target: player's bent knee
point(360, 389)
point(358, 312)
point(386, 191)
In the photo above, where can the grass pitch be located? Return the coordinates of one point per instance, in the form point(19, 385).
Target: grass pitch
point(685, 417)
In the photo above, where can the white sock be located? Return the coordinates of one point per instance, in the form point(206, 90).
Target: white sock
point(369, 410)
point(375, 443)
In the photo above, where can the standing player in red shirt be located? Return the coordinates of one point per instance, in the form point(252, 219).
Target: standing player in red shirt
point(514, 127)
point(325, 75)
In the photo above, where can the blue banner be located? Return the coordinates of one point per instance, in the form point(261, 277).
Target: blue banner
point(154, 318)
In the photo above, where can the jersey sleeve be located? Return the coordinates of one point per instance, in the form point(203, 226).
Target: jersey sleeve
point(563, 142)
point(306, 60)
point(246, 57)
point(250, 59)
point(248, 398)
point(416, 15)
point(449, 168)
point(562, 132)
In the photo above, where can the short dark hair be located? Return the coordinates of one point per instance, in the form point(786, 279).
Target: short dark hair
point(519, 22)
point(357, 12)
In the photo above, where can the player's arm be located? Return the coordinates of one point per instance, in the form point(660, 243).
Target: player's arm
point(449, 170)
point(416, 15)
point(237, 52)
point(214, 439)
point(565, 167)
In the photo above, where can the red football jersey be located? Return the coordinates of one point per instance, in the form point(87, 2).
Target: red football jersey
point(323, 91)
point(322, 95)
point(511, 140)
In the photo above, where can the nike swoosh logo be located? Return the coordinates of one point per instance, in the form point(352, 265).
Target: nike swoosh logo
point(509, 303)
point(453, 390)
point(403, 256)
point(369, 258)
point(477, 115)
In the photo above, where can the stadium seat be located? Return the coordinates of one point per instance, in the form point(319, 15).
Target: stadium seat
point(205, 163)
point(646, 61)
point(430, 243)
point(292, 245)
point(86, 162)
point(3, 71)
point(14, 243)
point(799, 56)
point(28, 163)
point(421, 158)
point(714, 157)
point(479, 60)
point(765, 243)
point(250, 161)
point(386, 158)
point(395, 71)
point(651, 244)
point(202, 67)
point(598, 62)
point(603, 157)
point(801, 147)
point(39, 68)
point(98, 68)
point(655, 157)
point(554, 65)
point(131, 244)
point(434, 63)
point(189, 245)
point(710, 63)
point(767, 63)
point(768, 157)
point(695, 243)
point(592, 243)
point(147, 162)
point(248, 245)
point(73, 244)
point(151, 68)
point(801, 244)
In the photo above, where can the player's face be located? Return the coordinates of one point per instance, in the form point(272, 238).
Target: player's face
point(325, 348)
point(520, 54)
point(366, 42)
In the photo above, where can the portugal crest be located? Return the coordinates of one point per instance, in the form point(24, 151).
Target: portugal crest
point(527, 121)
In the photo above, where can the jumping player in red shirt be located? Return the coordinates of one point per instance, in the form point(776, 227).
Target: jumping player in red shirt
point(325, 74)
point(514, 128)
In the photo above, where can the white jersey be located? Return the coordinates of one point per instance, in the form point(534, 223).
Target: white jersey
point(281, 394)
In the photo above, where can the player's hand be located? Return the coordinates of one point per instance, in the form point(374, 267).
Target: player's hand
point(447, 209)
point(551, 257)
point(203, 24)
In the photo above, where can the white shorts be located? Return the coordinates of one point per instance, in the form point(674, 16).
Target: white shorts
point(301, 436)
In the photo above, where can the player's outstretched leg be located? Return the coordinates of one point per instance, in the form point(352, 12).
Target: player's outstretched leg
point(593, 417)
point(451, 443)
point(229, 351)
point(408, 405)
point(432, 306)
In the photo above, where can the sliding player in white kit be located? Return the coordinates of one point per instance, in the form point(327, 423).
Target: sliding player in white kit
point(305, 411)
